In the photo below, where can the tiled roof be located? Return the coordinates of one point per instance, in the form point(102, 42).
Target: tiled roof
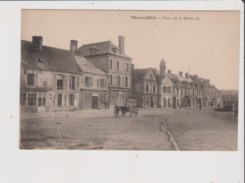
point(49, 58)
point(87, 66)
point(179, 80)
point(139, 74)
point(101, 48)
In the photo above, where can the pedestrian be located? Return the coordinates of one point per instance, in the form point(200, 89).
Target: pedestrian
point(235, 111)
point(200, 106)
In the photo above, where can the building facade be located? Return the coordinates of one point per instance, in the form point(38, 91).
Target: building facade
point(112, 60)
point(94, 93)
point(49, 78)
point(144, 87)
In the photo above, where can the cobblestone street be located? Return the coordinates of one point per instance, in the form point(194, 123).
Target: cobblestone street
point(95, 129)
point(205, 130)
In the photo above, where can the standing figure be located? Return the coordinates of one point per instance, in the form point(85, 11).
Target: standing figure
point(235, 111)
point(200, 106)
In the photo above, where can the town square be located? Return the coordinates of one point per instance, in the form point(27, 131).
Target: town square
point(96, 95)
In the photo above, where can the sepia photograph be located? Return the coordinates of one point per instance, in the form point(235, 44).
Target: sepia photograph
point(129, 80)
point(122, 92)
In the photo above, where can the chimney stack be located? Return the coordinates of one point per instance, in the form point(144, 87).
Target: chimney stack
point(186, 75)
point(73, 46)
point(181, 73)
point(38, 41)
point(169, 71)
point(121, 42)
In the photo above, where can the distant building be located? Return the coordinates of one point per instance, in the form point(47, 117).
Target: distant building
point(144, 87)
point(112, 60)
point(49, 78)
point(176, 90)
point(230, 99)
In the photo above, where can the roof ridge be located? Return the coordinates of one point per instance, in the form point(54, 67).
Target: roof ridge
point(48, 46)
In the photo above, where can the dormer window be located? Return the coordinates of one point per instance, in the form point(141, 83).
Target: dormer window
point(93, 50)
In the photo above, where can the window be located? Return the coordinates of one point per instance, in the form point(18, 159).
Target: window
point(127, 67)
point(30, 79)
point(23, 99)
point(102, 83)
point(117, 65)
point(60, 82)
point(72, 83)
point(59, 100)
point(164, 89)
point(126, 82)
point(118, 81)
point(88, 82)
point(32, 99)
point(45, 83)
point(41, 99)
point(147, 88)
point(110, 79)
point(110, 64)
point(71, 99)
point(169, 89)
point(154, 89)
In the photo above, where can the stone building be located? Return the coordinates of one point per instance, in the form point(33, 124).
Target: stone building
point(112, 60)
point(49, 78)
point(179, 90)
point(144, 87)
point(93, 86)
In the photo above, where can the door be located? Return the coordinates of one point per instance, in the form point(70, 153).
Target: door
point(152, 103)
point(95, 102)
point(174, 102)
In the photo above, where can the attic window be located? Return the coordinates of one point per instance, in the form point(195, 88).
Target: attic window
point(93, 50)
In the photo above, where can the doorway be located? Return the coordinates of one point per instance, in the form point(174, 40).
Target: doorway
point(95, 102)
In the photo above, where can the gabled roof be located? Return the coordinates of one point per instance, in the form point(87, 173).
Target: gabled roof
point(53, 59)
point(139, 74)
point(106, 47)
point(87, 66)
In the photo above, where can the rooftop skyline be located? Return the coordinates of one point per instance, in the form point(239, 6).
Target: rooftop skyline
point(207, 47)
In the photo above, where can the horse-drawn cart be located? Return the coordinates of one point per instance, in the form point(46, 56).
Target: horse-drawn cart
point(130, 107)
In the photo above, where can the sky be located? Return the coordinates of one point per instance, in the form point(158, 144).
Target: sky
point(205, 43)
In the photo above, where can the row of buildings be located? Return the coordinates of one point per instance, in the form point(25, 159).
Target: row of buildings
point(101, 75)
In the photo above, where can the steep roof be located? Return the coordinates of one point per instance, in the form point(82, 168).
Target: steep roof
point(101, 48)
point(53, 59)
point(139, 74)
point(87, 66)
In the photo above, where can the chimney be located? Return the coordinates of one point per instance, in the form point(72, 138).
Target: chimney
point(73, 46)
point(132, 66)
point(181, 73)
point(38, 41)
point(121, 41)
point(169, 71)
point(186, 75)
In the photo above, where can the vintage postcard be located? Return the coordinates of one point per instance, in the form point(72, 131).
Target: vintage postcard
point(129, 80)
point(123, 93)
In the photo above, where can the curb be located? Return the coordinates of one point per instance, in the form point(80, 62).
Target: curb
point(171, 137)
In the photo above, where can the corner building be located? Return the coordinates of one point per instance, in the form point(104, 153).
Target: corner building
point(112, 60)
